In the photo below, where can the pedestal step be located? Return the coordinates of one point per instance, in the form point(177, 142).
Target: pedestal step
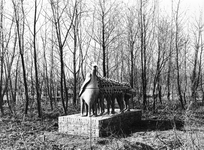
point(98, 126)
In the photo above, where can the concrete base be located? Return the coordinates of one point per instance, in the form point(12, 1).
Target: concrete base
point(98, 126)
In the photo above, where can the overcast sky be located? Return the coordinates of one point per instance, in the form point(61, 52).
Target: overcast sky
point(191, 7)
point(189, 10)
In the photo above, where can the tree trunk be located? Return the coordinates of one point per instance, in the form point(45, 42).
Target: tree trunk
point(57, 21)
point(177, 60)
point(103, 47)
point(62, 80)
point(132, 64)
point(20, 33)
point(35, 63)
point(74, 63)
point(2, 56)
point(170, 59)
point(143, 54)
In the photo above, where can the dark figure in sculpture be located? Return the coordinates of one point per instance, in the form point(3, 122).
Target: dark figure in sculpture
point(89, 93)
point(110, 102)
point(120, 98)
point(100, 103)
point(110, 90)
point(127, 97)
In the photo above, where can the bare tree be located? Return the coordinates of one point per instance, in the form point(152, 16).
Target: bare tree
point(196, 70)
point(132, 35)
point(107, 18)
point(77, 50)
point(57, 13)
point(170, 57)
point(7, 56)
point(35, 19)
point(2, 57)
point(143, 50)
point(8, 70)
point(48, 79)
point(163, 32)
point(20, 27)
point(177, 55)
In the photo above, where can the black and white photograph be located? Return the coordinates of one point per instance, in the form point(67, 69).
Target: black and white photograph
point(101, 74)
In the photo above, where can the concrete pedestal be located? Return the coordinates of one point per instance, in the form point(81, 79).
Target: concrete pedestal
point(98, 126)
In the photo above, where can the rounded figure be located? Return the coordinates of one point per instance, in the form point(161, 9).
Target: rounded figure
point(89, 93)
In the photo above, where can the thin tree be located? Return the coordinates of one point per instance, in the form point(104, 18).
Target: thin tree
point(143, 46)
point(132, 34)
point(79, 40)
point(177, 55)
point(20, 27)
point(2, 56)
point(105, 34)
point(75, 38)
point(7, 57)
point(163, 29)
point(58, 22)
point(196, 71)
point(35, 60)
point(170, 57)
point(48, 84)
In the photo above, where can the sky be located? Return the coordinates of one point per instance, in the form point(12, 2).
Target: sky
point(191, 7)
point(189, 10)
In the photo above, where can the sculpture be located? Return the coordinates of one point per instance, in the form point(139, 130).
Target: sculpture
point(89, 92)
point(110, 90)
point(95, 89)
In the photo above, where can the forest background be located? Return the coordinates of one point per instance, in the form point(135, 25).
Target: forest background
point(47, 47)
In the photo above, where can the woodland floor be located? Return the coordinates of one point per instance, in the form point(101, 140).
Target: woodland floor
point(156, 131)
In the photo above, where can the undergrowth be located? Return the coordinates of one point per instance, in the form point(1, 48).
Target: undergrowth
point(168, 128)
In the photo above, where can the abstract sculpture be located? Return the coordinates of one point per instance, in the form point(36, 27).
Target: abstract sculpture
point(95, 89)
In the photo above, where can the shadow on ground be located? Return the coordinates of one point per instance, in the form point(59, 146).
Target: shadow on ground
point(154, 124)
point(151, 125)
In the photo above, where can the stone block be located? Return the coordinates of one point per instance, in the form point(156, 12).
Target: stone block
point(98, 126)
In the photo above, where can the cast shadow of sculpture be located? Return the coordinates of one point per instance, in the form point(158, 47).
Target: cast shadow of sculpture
point(148, 125)
point(157, 124)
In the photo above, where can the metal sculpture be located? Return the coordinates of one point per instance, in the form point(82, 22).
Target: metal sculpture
point(110, 90)
point(89, 92)
point(95, 89)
